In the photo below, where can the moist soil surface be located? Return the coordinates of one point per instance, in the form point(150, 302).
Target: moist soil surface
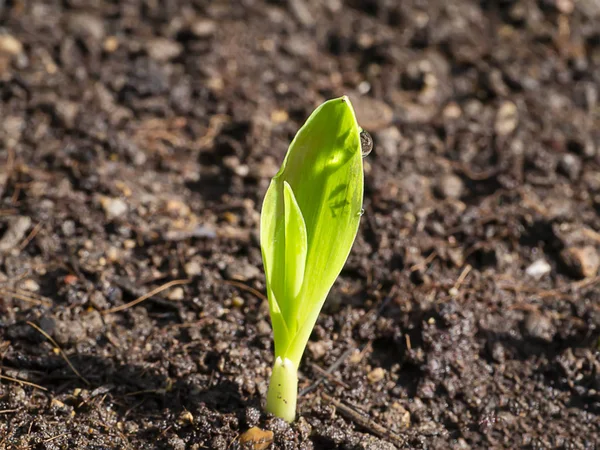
point(137, 139)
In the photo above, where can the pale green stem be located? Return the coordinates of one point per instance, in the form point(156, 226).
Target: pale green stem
point(283, 390)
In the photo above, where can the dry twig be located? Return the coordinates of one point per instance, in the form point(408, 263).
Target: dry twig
point(28, 383)
point(237, 284)
point(364, 422)
point(62, 353)
point(146, 296)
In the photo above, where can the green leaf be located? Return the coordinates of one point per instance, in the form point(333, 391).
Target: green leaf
point(309, 221)
point(295, 252)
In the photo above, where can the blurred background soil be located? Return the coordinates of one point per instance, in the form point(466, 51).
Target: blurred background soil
point(137, 139)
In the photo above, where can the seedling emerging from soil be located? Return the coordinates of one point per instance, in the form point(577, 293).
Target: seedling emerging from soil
point(309, 221)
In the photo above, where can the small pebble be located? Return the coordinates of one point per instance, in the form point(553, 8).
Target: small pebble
point(128, 244)
point(570, 165)
point(452, 111)
point(581, 261)
point(193, 268)
point(263, 328)
point(176, 294)
point(85, 25)
point(538, 326)
point(565, 6)
point(203, 28)
point(376, 375)
point(30, 285)
point(113, 254)
point(98, 301)
point(66, 112)
point(111, 44)
point(388, 143)
point(538, 269)
point(506, 119)
point(10, 45)
point(402, 413)
point(242, 271)
point(318, 349)
point(113, 207)
point(15, 233)
point(176, 443)
point(68, 228)
point(450, 186)
point(163, 50)
point(279, 116)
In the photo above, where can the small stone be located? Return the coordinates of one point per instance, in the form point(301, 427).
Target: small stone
point(10, 45)
point(507, 118)
point(86, 25)
point(203, 28)
point(178, 208)
point(452, 111)
point(297, 46)
point(581, 261)
point(301, 12)
point(538, 269)
point(570, 165)
point(30, 285)
point(376, 375)
point(113, 207)
point(263, 328)
point(13, 127)
point(450, 186)
point(68, 332)
point(163, 50)
point(68, 228)
point(539, 326)
point(242, 271)
point(17, 228)
point(66, 112)
point(113, 254)
point(111, 44)
point(279, 116)
point(233, 163)
point(128, 244)
point(388, 144)
point(176, 443)
point(256, 439)
point(193, 268)
point(98, 301)
point(318, 349)
point(176, 294)
point(565, 6)
point(403, 414)
point(56, 403)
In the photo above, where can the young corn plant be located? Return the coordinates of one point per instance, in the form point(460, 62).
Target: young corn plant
point(309, 221)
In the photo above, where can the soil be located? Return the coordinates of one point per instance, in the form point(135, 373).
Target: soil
point(137, 139)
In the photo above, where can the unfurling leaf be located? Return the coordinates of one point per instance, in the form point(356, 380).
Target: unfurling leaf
point(309, 221)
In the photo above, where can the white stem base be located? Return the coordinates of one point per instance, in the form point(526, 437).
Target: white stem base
point(283, 390)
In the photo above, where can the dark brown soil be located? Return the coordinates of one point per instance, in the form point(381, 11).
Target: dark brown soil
point(137, 139)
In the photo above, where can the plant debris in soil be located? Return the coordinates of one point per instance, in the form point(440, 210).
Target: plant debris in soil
point(137, 140)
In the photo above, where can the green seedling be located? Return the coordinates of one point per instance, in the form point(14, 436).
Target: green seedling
point(309, 221)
